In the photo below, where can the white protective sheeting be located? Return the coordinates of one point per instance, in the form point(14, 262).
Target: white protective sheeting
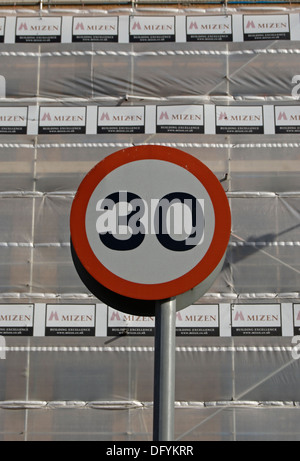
point(66, 80)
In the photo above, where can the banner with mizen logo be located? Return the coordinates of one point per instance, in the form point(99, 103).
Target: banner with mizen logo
point(152, 29)
point(13, 120)
point(16, 319)
point(296, 315)
point(95, 29)
point(99, 320)
point(180, 119)
point(234, 27)
point(198, 320)
point(62, 120)
point(256, 320)
point(194, 320)
point(266, 27)
point(239, 120)
point(120, 323)
point(209, 28)
point(70, 320)
point(199, 119)
point(38, 29)
point(287, 119)
point(129, 119)
point(2, 29)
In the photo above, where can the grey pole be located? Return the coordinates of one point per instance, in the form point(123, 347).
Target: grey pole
point(164, 370)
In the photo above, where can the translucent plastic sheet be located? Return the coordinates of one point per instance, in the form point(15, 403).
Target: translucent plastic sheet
point(236, 375)
point(97, 391)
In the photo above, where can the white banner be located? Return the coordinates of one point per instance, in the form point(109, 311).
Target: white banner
point(127, 119)
point(273, 319)
point(266, 27)
point(16, 319)
point(209, 28)
point(70, 320)
point(38, 29)
point(13, 120)
point(256, 320)
point(180, 119)
point(147, 28)
point(95, 29)
point(204, 119)
point(287, 119)
point(62, 120)
point(152, 29)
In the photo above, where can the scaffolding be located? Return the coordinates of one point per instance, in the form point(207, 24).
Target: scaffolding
point(237, 369)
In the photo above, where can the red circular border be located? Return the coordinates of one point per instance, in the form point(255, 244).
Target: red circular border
point(174, 287)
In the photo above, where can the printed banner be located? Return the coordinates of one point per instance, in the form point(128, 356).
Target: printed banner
point(180, 119)
point(256, 320)
point(266, 27)
point(13, 120)
point(70, 320)
point(129, 119)
point(239, 120)
point(223, 320)
point(176, 119)
point(119, 323)
point(144, 29)
point(95, 29)
point(2, 29)
point(16, 319)
point(209, 28)
point(198, 320)
point(38, 29)
point(152, 29)
point(296, 317)
point(62, 120)
point(287, 119)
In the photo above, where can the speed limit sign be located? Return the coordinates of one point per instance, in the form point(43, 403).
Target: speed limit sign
point(149, 223)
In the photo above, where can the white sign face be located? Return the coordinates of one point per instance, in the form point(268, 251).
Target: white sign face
point(62, 120)
point(95, 29)
point(180, 119)
point(266, 27)
point(152, 29)
point(16, 319)
point(38, 29)
point(239, 120)
point(287, 119)
point(209, 28)
point(70, 320)
point(256, 319)
point(13, 120)
point(129, 119)
point(123, 249)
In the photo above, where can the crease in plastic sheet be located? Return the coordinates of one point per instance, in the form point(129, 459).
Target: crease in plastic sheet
point(136, 405)
point(150, 349)
point(204, 145)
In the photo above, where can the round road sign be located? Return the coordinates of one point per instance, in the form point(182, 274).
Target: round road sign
point(149, 223)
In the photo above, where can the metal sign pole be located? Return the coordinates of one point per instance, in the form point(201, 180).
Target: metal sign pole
point(164, 370)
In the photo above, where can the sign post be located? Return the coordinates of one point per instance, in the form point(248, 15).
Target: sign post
point(164, 370)
point(149, 228)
